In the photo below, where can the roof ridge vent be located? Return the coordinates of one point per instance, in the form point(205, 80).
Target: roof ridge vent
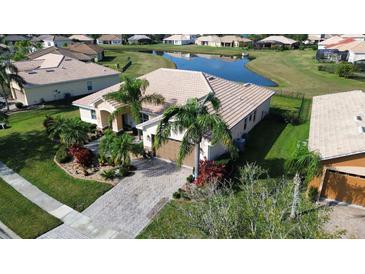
point(358, 118)
point(247, 84)
point(362, 129)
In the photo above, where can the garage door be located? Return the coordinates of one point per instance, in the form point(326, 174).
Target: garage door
point(344, 187)
point(169, 151)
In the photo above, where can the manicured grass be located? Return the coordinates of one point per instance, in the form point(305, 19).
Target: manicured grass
point(142, 63)
point(23, 217)
point(26, 149)
point(269, 144)
point(297, 71)
point(185, 48)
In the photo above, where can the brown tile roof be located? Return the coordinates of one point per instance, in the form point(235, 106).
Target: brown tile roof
point(85, 48)
point(60, 51)
point(337, 122)
point(54, 68)
point(177, 86)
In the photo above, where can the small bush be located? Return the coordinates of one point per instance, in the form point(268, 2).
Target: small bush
point(190, 178)
point(83, 155)
point(312, 193)
point(108, 174)
point(176, 195)
point(210, 172)
point(123, 171)
point(19, 105)
point(345, 70)
point(62, 155)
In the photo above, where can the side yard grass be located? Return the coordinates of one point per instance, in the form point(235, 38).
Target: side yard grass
point(22, 216)
point(26, 148)
point(142, 63)
point(269, 144)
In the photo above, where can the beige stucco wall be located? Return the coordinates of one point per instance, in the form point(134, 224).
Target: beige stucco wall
point(57, 91)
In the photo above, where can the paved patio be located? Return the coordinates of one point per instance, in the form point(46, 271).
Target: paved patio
point(131, 205)
point(349, 218)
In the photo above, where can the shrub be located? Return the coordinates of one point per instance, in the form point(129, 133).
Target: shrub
point(62, 155)
point(83, 155)
point(3, 117)
point(190, 178)
point(312, 193)
point(19, 105)
point(210, 172)
point(108, 174)
point(345, 70)
point(176, 195)
point(123, 171)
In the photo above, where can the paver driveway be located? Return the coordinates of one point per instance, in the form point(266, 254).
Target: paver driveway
point(130, 205)
point(351, 219)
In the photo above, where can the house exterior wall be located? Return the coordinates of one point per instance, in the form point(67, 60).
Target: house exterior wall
point(85, 115)
point(35, 94)
point(353, 57)
point(51, 43)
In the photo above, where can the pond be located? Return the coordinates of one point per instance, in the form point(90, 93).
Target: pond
point(228, 67)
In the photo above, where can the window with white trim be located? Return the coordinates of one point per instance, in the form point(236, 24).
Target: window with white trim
point(93, 114)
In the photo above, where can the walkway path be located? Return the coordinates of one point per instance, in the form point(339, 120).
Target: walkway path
point(77, 223)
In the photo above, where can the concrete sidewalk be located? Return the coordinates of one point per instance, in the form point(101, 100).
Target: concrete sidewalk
point(82, 225)
point(7, 233)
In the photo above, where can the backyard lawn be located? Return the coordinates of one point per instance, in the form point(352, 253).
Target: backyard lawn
point(26, 149)
point(22, 216)
point(269, 144)
point(295, 71)
point(142, 63)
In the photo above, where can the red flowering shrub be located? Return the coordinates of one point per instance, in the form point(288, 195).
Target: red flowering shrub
point(83, 155)
point(209, 171)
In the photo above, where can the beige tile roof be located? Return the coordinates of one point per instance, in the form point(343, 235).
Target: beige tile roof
point(279, 39)
point(53, 68)
point(353, 36)
point(209, 38)
point(335, 130)
point(230, 38)
point(331, 40)
point(81, 37)
point(109, 37)
point(61, 51)
point(177, 86)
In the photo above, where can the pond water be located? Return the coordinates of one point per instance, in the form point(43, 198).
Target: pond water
point(228, 67)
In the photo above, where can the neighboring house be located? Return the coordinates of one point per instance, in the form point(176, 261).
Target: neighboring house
point(179, 39)
point(93, 51)
point(347, 49)
point(242, 107)
point(276, 40)
point(12, 39)
point(330, 41)
point(356, 52)
point(55, 77)
point(82, 38)
point(356, 37)
point(337, 133)
point(52, 40)
point(109, 39)
point(222, 41)
point(60, 51)
point(139, 39)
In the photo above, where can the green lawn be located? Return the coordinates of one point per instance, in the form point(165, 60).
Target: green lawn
point(26, 149)
point(23, 217)
point(142, 63)
point(269, 144)
point(295, 71)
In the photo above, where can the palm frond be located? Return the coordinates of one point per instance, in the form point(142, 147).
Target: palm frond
point(154, 98)
point(186, 146)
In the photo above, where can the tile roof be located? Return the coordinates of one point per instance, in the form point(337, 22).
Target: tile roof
point(224, 39)
point(353, 36)
point(138, 37)
point(15, 37)
point(109, 37)
point(54, 68)
point(47, 37)
point(60, 51)
point(278, 39)
point(178, 37)
point(337, 122)
point(86, 48)
point(332, 40)
point(81, 37)
point(177, 86)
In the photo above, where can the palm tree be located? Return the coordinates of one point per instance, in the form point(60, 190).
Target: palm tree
point(195, 119)
point(305, 164)
point(132, 93)
point(8, 74)
point(118, 148)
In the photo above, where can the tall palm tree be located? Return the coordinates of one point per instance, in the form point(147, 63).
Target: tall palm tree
point(8, 74)
point(306, 165)
point(195, 119)
point(132, 93)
